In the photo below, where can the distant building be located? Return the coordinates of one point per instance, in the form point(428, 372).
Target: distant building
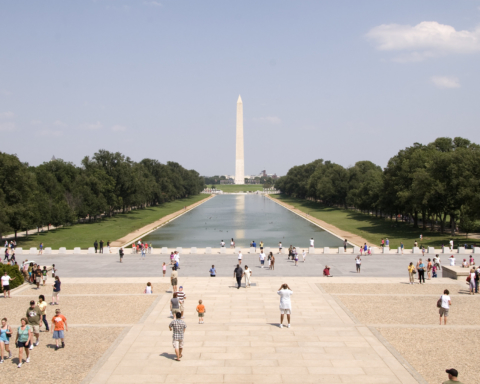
point(227, 181)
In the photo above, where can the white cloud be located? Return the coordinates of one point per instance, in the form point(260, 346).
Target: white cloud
point(119, 128)
point(92, 126)
point(35, 122)
point(444, 82)
point(153, 3)
point(268, 119)
point(6, 115)
point(59, 123)
point(49, 132)
point(424, 40)
point(7, 126)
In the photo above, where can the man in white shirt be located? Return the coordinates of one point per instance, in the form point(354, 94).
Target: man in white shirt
point(312, 242)
point(445, 307)
point(240, 256)
point(451, 245)
point(262, 259)
point(285, 304)
point(6, 284)
point(222, 244)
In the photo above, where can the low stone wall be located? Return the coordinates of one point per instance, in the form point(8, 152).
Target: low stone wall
point(19, 252)
point(457, 273)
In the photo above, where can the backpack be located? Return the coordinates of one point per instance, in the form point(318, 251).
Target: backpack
point(439, 302)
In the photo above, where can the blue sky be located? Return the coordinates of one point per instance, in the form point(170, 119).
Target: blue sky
point(339, 80)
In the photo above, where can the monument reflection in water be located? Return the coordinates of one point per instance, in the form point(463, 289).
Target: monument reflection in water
point(243, 217)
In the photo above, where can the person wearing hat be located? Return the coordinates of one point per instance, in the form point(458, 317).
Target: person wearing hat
point(34, 317)
point(452, 377)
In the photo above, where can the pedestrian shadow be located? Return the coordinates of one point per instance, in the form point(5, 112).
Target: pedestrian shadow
point(170, 356)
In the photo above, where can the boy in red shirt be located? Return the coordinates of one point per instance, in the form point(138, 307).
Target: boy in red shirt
point(59, 325)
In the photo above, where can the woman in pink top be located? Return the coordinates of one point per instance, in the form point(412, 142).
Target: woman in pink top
point(164, 269)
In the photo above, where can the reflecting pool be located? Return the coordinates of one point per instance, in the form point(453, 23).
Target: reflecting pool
point(244, 218)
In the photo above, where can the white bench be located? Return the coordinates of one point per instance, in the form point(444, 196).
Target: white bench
point(341, 250)
point(252, 250)
point(208, 250)
point(77, 251)
point(179, 249)
point(91, 250)
point(223, 250)
point(62, 251)
point(48, 250)
point(385, 249)
point(193, 250)
point(356, 249)
point(164, 251)
point(267, 250)
point(33, 251)
point(19, 251)
point(476, 250)
point(325, 250)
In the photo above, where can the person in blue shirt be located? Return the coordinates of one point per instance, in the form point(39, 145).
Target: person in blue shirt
point(387, 242)
point(212, 271)
point(254, 245)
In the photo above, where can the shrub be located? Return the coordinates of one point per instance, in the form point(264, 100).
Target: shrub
point(14, 272)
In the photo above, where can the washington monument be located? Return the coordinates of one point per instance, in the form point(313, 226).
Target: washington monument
point(239, 158)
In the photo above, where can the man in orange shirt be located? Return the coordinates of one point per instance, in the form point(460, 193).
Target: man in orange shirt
point(201, 311)
point(59, 325)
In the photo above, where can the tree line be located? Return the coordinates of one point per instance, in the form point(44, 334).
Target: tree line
point(439, 182)
point(58, 192)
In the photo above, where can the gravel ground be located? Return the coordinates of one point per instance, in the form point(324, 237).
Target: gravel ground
point(399, 289)
point(84, 309)
point(83, 347)
point(465, 310)
point(81, 289)
point(433, 351)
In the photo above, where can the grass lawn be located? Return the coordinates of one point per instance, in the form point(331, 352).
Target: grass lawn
point(373, 228)
point(113, 228)
point(230, 188)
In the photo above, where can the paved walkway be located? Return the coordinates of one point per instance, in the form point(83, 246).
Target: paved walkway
point(241, 341)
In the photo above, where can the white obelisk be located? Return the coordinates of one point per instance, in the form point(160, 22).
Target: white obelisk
point(239, 158)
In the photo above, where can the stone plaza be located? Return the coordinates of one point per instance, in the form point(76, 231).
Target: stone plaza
point(370, 327)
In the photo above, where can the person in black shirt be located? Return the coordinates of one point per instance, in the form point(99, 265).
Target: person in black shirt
point(238, 274)
point(101, 246)
point(95, 244)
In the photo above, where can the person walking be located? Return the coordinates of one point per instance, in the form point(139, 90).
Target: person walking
point(345, 242)
point(437, 262)
point(238, 274)
point(42, 304)
point(23, 340)
point(296, 259)
point(213, 271)
point(285, 303)
point(280, 247)
point(59, 327)
point(40, 249)
point(472, 281)
point(401, 247)
point(304, 255)
point(6, 284)
point(248, 275)
point(272, 262)
point(95, 245)
point(222, 244)
point(262, 259)
point(452, 261)
point(254, 245)
point(44, 275)
point(178, 327)
point(452, 377)
point(445, 303)
point(477, 278)
point(142, 255)
point(38, 276)
point(164, 269)
point(411, 273)
point(181, 299)
point(34, 317)
point(56, 291)
point(174, 306)
point(121, 254)
point(312, 243)
point(174, 279)
point(358, 263)
point(101, 246)
point(108, 246)
point(232, 243)
point(240, 256)
point(5, 334)
point(365, 248)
